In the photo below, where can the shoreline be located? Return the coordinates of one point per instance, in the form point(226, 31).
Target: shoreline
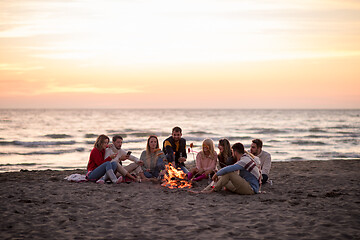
point(189, 164)
point(307, 200)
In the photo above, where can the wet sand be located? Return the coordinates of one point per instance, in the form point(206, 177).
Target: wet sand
point(307, 200)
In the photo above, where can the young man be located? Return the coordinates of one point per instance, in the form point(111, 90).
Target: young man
point(265, 158)
point(122, 155)
point(247, 183)
point(174, 148)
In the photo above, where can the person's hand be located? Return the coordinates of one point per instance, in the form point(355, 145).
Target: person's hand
point(215, 178)
point(124, 157)
point(113, 155)
point(182, 159)
point(140, 163)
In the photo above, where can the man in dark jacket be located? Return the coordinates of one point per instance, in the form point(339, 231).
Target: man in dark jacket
point(174, 148)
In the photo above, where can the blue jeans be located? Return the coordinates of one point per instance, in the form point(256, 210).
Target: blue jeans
point(100, 171)
point(184, 169)
point(160, 165)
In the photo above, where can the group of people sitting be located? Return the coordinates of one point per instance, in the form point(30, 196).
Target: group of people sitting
point(234, 168)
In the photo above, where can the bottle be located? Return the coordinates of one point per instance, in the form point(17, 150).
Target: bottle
point(209, 178)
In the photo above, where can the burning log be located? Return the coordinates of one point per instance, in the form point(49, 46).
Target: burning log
point(175, 178)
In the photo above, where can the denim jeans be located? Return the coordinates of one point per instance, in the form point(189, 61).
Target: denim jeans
point(184, 169)
point(160, 165)
point(100, 171)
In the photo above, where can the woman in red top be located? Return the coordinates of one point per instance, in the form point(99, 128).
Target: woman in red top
point(98, 166)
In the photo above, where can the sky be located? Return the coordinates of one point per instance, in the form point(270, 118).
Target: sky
point(180, 54)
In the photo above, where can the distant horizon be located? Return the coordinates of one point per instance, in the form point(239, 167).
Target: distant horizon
point(315, 109)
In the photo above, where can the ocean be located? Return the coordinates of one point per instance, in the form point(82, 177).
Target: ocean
point(39, 139)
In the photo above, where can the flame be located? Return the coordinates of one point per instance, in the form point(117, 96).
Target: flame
point(175, 178)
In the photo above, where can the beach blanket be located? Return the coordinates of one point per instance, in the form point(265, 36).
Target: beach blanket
point(76, 177)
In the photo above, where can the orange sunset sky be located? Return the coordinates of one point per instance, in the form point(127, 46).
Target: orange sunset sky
point(179, 54)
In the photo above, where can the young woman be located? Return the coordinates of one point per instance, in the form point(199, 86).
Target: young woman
point(153, 158)
point(97, 165)
point(225, 155)
point(205, 161)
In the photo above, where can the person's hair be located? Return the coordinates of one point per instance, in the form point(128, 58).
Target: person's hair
point(100, 140)
point(223, 156)
point(238, 147)
point(148, 141)
point(258, 143)
point(208, 142)
point(116, 137)
point(177, 129)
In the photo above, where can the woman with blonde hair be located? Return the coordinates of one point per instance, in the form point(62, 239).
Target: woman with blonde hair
point(97, 165)
point(153, 158)
point(205, 161)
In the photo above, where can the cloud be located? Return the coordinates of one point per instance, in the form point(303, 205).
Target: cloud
point(18, 68)
point(88, 89)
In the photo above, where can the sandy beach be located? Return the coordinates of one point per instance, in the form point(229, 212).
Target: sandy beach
point(307, 200)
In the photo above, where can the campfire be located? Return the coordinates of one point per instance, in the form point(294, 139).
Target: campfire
point(174, 178)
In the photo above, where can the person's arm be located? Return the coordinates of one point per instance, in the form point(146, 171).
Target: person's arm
point(228, 169)
point(108, 152)
point(198, 162)
point(267, 164)
point(97, 158)
point(143, 158)
point(184, 150)
point(169, 151)
point(134, 159)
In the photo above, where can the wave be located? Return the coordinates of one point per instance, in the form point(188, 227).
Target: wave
point(142, 134)
point(36, 143)
point(317, 136)
point(56, 136)
point(116, 132)
point(134, 140)
point(353, 141)
point(17, 164)
point(308, 143)
point(239, 138)
point(91, 135)
point(338, 155)
point(318, 130)
point(200, 133)
point(56, 152)
point(268, 130)
point(296, 158)
point(5, 120)
point(341, 127)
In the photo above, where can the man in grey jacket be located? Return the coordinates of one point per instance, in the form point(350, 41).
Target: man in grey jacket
point(265, 158)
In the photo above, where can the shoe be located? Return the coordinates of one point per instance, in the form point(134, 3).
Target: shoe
point(127, 180)
point(119, 180)
point(189, 175)
point(201, 177)
point(100, 181)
